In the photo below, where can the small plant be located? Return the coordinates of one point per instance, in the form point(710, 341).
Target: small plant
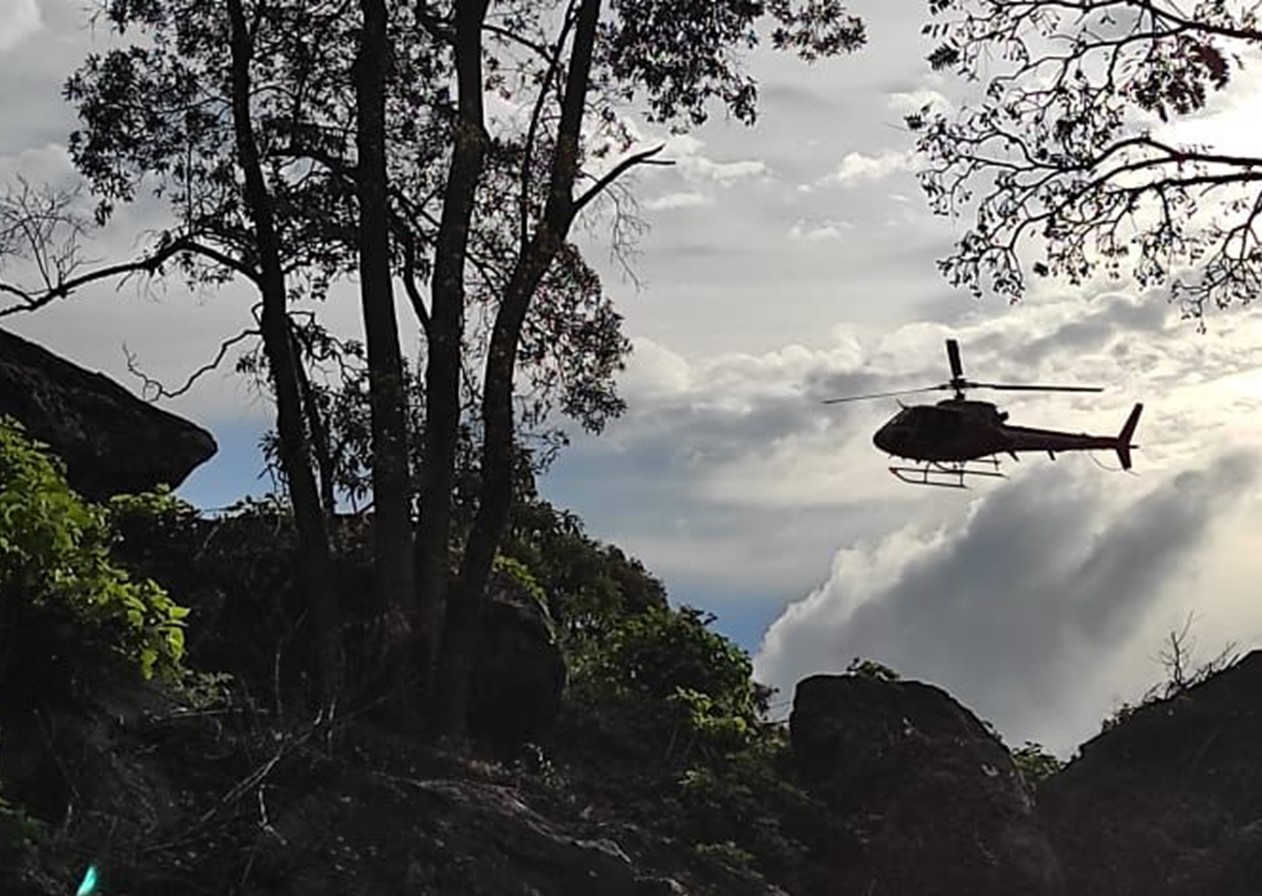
point(1035, 763)
point(521, 575)
point(1183, 672)
point(199, 691)
point(865, 668)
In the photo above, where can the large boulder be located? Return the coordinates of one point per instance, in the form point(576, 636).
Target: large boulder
point(920, 798)
point(112, 442)
point(1169, 801)
point(520, 674)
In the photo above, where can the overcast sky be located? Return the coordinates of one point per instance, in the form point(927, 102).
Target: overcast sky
point(785, 264)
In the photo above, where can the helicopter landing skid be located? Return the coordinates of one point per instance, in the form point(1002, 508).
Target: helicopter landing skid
point(950, 474)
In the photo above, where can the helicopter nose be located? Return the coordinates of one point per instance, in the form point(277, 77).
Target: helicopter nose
point(881, 438)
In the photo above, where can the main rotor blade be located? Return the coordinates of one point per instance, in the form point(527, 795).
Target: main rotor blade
point(883, 394)
point(953, 355)
point(1031, 387)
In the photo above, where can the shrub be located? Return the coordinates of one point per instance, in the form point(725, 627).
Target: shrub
point(865, 668)
point(62, 598)
point(664, 691)
point(663, 685)
point(1035, 763)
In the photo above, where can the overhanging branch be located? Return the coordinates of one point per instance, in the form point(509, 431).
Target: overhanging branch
point(640, 158)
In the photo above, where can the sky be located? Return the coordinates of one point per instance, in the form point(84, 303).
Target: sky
point(785, 264)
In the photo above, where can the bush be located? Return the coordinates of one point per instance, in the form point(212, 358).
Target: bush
point(1035, 763)
point(663, 691)
point(590, 585)
point(65, 606)
point(663, 685)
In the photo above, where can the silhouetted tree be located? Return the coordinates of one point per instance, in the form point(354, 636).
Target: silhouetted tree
point(325, 143)
point(677, 57)
point(1063, 162)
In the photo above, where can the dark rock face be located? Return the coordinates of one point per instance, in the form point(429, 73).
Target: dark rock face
point(520, 674)
point(920, 797)
point(111, 441)
point(1170, 801)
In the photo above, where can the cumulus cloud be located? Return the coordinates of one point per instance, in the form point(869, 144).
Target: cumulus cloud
point(1023, 606)
point(1009, 594)
point(856, 167)
point(685, 150)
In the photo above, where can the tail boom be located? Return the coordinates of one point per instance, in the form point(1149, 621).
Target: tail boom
point(1053, 442)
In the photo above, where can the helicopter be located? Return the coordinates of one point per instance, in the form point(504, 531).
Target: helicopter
point(959, 438)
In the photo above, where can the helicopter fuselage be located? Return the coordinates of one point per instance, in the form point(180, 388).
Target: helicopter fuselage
point(957, 430)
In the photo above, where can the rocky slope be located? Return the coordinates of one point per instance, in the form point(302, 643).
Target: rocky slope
point(915, 796)
point(1168, 803)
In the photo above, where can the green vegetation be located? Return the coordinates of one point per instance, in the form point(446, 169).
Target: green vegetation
point(57, 579)
point(1035, 763)
point(677, 700)
point(657, 694)
point(865, 668)
point(71, 618)
point(1181, 671)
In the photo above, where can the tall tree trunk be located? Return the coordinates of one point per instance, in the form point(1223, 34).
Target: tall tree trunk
point(395, 591)
point(464, 615)
point(316, 567)
point(446, 331)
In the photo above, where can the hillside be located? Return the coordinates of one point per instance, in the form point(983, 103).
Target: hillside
point(159, 736)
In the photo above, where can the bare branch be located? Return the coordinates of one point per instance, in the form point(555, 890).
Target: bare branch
point(153, 389)
point(639, 158)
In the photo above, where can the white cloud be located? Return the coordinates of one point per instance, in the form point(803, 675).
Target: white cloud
point(670, 201)
point(1035, 606)
point(19, 19)
point(735, 475)
point(685, 151)
point(915, 100)
point(856, 166)
point(821, 232)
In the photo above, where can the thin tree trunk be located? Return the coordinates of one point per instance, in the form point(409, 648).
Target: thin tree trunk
point(395, 591)
point(321, 450)
point(316, 568)
point(446, 332)
point(464, 615)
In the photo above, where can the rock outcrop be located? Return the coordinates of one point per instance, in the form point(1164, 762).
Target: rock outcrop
point(111, 441)
point(1169, 802)
point(921, 799)
point(520, 674)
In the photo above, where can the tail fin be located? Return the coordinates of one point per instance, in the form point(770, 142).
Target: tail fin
point(1124, 445)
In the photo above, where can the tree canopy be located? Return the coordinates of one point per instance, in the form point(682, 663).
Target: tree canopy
point(1067, 161)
